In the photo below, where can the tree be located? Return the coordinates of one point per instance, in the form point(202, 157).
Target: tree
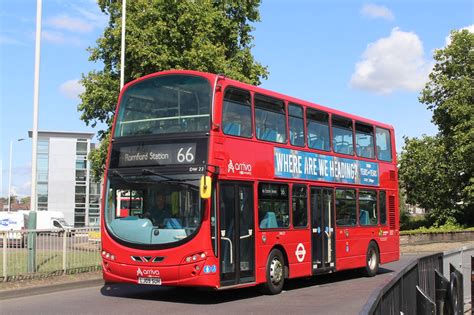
point(424, 171)
point(26, 200)
point(13, 199)
point(212, 36)
point(438, 172)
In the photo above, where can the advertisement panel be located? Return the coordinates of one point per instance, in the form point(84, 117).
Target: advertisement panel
point(313, 166)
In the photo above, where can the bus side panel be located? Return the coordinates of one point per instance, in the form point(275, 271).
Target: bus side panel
point(351, 250)
point(351, 246)
point(389, 248)
point(297, 248)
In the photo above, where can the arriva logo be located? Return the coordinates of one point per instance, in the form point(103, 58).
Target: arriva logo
point(230, 167)
point(241, 168)
point(147, 272)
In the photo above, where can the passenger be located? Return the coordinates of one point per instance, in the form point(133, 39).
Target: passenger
point(159, 212)
point(368, 151)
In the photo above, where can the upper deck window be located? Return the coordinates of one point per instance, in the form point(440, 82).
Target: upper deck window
point(384, 147)
point(295, 118)
point(237, 113)
point(342, 135)
point(365, 141)
point(165, 104)
point(318, 129)
point(270, 120)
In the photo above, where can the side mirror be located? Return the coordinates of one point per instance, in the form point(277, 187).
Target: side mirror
point(205, 187)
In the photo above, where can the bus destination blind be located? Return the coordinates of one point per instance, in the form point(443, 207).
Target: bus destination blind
point(157, 154)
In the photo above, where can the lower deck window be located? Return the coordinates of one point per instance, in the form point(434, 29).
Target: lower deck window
point(383, 207)
point(346, 210)
point(299, 204)
point(368, 207)
point(273, 205)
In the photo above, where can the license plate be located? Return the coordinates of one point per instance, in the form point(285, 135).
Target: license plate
point(152, 281)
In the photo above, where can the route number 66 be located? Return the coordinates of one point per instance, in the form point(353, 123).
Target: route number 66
point(185, 157)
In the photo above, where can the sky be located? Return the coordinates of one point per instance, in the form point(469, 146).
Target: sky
point(368, 58)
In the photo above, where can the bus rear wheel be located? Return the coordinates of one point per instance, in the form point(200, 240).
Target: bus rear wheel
point(275, 273)
point(372, 260)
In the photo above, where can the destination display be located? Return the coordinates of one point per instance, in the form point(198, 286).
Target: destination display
point(312, 166)
point(157, 154)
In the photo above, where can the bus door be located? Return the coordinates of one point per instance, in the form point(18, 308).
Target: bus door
point(322, 229)
point(237, 232)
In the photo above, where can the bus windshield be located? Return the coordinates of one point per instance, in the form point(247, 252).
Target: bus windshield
point(164, 210)
point(165, 104)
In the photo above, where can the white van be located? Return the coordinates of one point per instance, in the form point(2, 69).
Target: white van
point(51, 220)
point(12, 223)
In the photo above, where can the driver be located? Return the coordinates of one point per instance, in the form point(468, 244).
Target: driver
point(159, 211)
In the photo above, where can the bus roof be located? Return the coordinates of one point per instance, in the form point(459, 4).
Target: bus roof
point(211, 77)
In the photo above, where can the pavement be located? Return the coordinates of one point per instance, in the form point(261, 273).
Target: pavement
point(20, 288)
point(30, 287)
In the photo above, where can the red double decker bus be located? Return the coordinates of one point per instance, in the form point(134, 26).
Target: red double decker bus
point(240, 186)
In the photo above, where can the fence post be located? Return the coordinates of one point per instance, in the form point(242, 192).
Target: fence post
point(4, 249)
point(472, 281)
point(64, 252)
point(32, 242)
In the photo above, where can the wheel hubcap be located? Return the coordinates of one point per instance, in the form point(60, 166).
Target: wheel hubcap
point(372, 259)
point(276, 271)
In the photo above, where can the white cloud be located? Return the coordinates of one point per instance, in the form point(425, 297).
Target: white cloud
point(95, 16)
point(377, 11)
point(23, 190)
point(53, 37)
point(59, 38)
point(10, 41)
point(392, 63)
point(71, 89)
point(470, 28)
point(65, 22)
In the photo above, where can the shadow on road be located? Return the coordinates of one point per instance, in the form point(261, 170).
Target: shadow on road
point(206, 296)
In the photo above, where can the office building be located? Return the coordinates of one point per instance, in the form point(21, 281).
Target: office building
point(64, 182)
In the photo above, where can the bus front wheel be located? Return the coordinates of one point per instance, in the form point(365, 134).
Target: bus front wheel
point(372, 260)
point(275, 273)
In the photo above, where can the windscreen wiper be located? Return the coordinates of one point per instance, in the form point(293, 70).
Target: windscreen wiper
point(167, 178)
point(150, 172)
point(117, 173)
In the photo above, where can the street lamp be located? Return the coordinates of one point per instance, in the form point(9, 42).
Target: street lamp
point(10, 173)
point(122, 54)
point(34, 136)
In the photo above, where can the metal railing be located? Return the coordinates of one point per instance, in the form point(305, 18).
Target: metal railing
point(397, 296)
point(417, 286)
point(461, 259)
point(29, 254)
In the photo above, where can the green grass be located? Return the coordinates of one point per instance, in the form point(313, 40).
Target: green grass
point(47, 261)
point(437, 229)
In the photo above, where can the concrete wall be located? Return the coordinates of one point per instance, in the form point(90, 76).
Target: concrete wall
point(424, 238)
point(62, 176)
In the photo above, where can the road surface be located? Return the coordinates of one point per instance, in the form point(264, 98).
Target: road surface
point(340, 293)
